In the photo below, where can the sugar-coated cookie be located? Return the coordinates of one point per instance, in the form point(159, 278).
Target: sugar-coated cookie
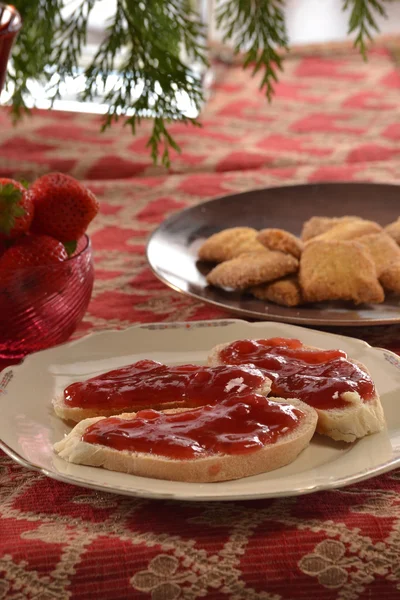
point(343, 270)
point(285, 292)
point(279, 239)
point(251, 269)
point(229, 243)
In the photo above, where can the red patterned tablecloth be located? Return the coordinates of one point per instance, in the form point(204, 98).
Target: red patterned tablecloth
point(333, 118)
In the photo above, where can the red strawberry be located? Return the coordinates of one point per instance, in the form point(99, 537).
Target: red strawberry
point(26, 268)
point(63, 207)
point(32, 251)
point(16, 209)
point(3, 246)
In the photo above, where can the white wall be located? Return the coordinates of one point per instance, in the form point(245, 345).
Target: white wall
point(323, 20)
point(307, 20)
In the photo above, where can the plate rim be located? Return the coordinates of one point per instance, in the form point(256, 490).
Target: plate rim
point(243, 312)
point(183, 496)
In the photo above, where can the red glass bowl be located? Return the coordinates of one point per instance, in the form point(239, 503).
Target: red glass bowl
point(41, 306)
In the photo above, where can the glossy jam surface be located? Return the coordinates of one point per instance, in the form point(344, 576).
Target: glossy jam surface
point(239, 425)
point(318, 377)
point(147, 383)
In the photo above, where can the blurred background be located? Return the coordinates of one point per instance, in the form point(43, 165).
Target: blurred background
point(308, 21)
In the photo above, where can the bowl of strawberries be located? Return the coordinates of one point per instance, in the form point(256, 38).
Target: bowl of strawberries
point(46, 266)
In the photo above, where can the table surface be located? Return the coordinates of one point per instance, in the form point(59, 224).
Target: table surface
point(334, 118)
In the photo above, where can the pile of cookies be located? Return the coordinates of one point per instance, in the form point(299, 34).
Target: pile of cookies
point(345, 258)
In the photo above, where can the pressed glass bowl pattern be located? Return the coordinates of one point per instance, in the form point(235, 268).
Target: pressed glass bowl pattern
point(41, 306)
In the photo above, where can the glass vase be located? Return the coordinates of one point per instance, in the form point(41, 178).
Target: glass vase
point(10, 24)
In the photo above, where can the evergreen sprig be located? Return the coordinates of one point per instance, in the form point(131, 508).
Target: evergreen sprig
point(144, 44)
point(258, 28)
point(151, 61)
point(363, 20)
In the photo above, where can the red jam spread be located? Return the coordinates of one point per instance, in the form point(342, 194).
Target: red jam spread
point(318, 377)
point(151, 383)
point(236, 426)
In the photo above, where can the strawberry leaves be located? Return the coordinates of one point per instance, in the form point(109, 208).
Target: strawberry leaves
point(24, 182)
point(16, 209)
point(70, 247)
point(10, 207)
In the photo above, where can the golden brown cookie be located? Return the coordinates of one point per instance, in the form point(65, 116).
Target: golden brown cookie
point(393, 229)
point(390, 278)
point(318, 225)
point(286, 291)
point(251, 269)
point(348, 230)
point(229, 243)
point(279, 239)
point(383, 248)
point(339, 271)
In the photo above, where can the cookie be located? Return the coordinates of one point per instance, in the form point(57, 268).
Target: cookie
point(344, 270)
point(318, 225)
point(252, 269)
point(393, 229)
point(229, 243)
point(279, 239)
point(383, 248)
point(390, 278)
point(285, 292)
point(348, 230)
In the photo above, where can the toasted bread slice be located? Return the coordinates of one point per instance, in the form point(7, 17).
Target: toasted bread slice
point(348, 424)
point(211, 468)
point(74, 413)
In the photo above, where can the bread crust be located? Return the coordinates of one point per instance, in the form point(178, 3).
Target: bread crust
point(219, 467)
point(349, 424)
point(76, 414)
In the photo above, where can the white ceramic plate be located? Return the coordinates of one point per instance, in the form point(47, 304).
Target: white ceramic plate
point(28, 427)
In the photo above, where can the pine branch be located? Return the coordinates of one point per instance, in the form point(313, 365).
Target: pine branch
point(258, 27)
point(33, 50)
point(151, 71)
point(363, 20)
point(139, 68)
